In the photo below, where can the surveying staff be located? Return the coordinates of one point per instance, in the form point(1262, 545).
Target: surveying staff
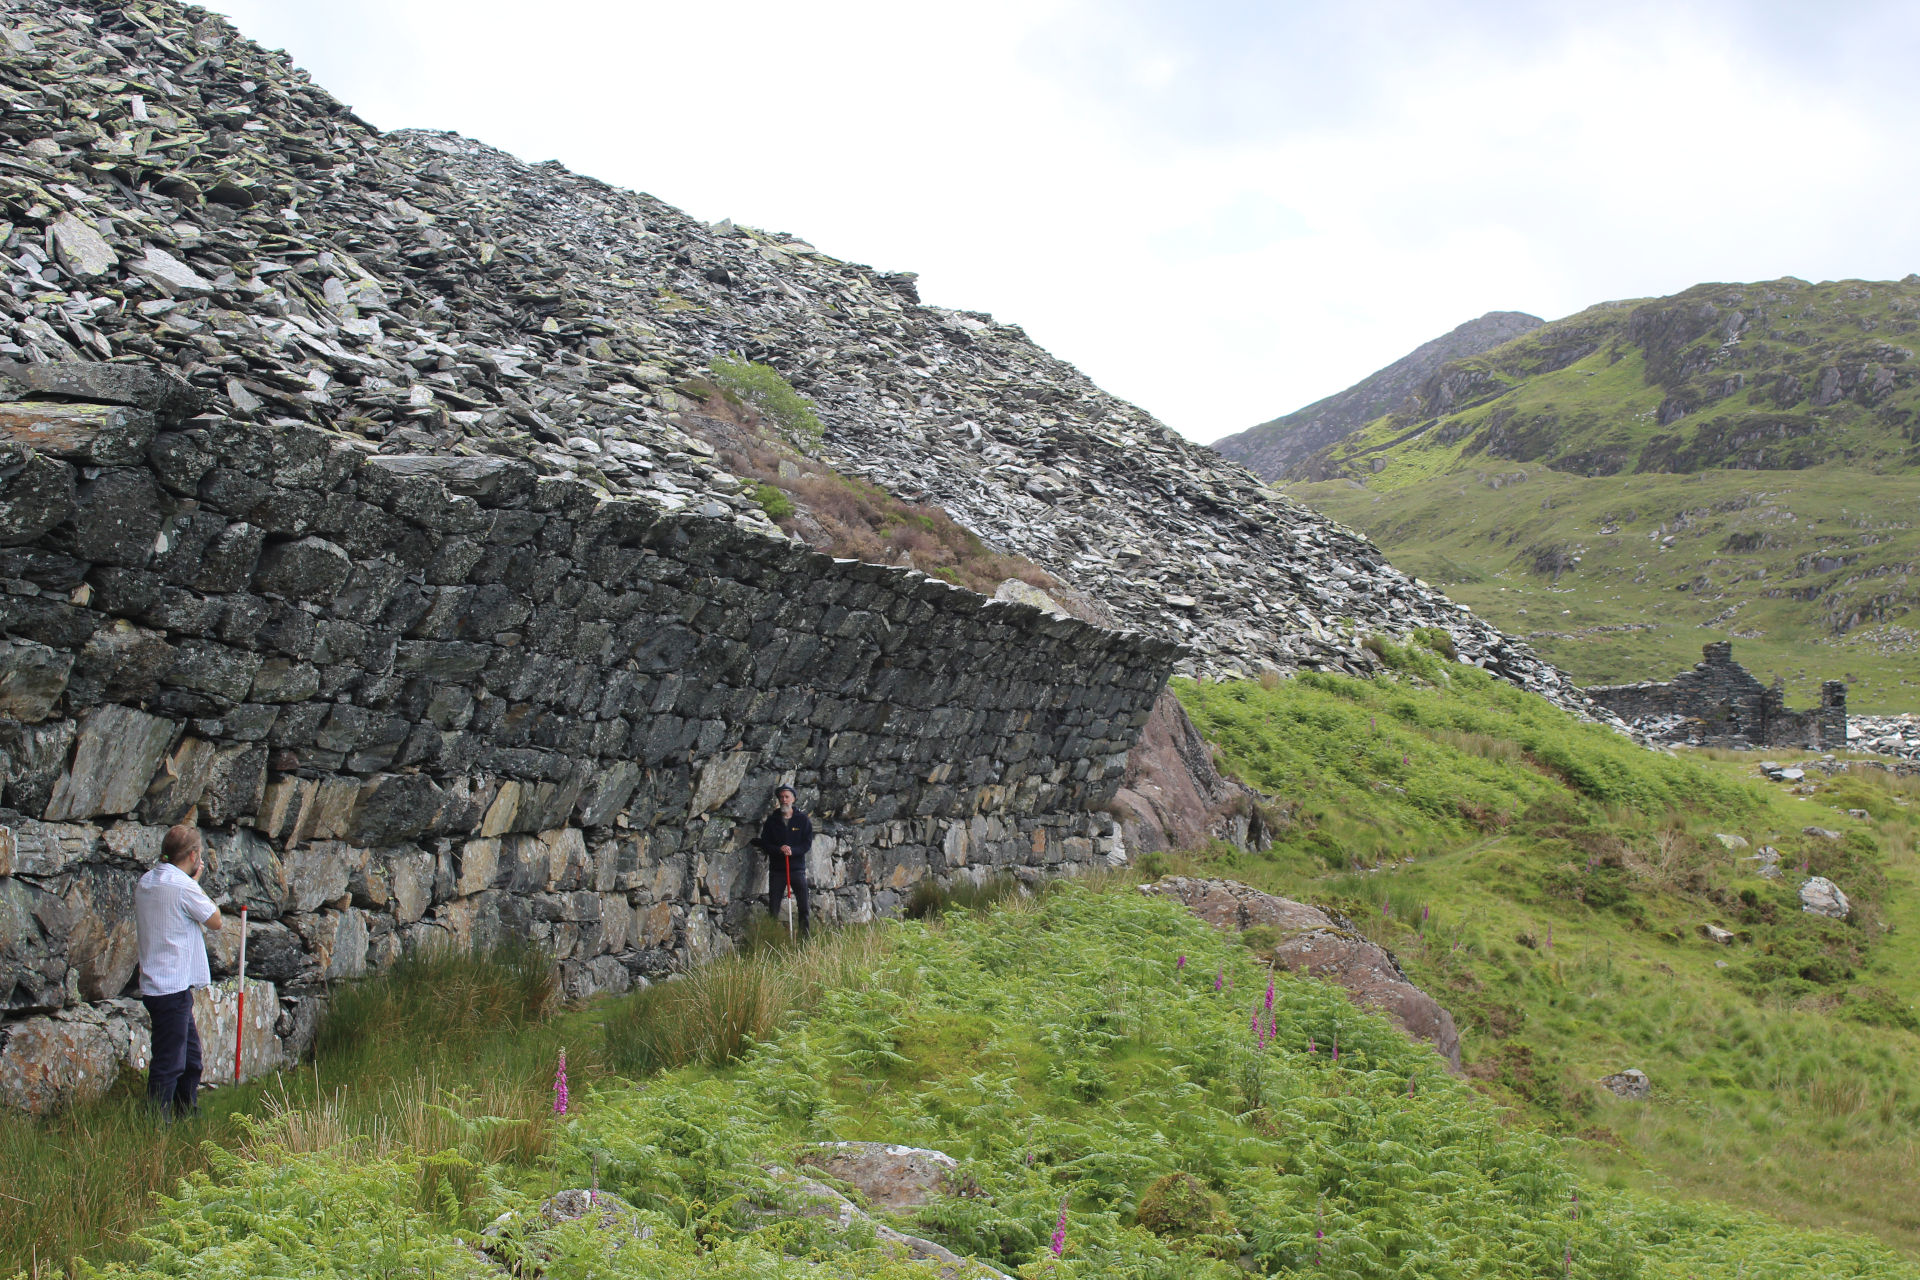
point(786, 836)
point(169, 910)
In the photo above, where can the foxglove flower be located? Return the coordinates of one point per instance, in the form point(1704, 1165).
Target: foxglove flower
point(1060, 1230)
point(560, 1086)
point(1269, 993)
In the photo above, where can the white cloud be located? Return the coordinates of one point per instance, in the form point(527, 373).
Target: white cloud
point(1221, 211)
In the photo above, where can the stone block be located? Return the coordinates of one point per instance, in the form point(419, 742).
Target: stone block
point(102, 435)
point(410, 876)
point(318, 873)
point(116, 518)
point(478, 867)
point(103, 948)
point(394, 808)
point(120, 663)
point(36, 494)
point(217, 1011)
point(32, 679)
point(146, 385)
point(236, 785)
point(48, 1063)
point(113, 761)
point(310, 569)
point(178, 785)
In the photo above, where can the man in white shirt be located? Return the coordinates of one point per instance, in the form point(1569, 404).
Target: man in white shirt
point(169, 910)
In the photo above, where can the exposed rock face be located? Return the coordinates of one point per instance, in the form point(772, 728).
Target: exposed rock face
point(1173, 797)
point(1719, 703)
point(438, 297)
point(813, 1199)
point(1326, 946)
point(1271, 449)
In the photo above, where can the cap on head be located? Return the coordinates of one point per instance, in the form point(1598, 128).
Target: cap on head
point(180, 843)
point(783, 790)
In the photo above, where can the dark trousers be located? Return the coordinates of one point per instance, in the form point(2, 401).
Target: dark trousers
point(777, 888)
point(173, 1073)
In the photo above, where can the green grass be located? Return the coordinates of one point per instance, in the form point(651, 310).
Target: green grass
point(1056, 1046)
point(408, 1060)
point(1548, 880)
point(1545, 878)
point(1806, 571)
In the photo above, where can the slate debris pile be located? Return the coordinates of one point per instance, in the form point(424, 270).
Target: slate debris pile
point(170, 191)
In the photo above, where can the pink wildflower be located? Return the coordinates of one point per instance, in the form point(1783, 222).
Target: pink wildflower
point(1336, 1045)
point(1060, 1230)
point(1311, 1046)
point(1269, 993)
point(560, 1086)
point(1220, 978)
point(1180, 964)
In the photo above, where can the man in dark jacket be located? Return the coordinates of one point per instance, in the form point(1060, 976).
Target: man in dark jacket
point(786, 836)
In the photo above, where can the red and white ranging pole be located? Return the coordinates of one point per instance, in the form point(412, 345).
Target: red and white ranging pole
point(240, 1004)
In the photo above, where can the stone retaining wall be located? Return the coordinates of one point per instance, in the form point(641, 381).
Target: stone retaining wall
point(422, 698)
point(1726, 706)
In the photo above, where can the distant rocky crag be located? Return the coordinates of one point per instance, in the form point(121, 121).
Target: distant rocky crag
point(1273, 448)
point(1776, 375)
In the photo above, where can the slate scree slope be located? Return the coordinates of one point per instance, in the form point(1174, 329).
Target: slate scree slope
point(344, 504)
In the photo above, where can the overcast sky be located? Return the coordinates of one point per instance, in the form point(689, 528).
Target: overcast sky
point(1221, 210)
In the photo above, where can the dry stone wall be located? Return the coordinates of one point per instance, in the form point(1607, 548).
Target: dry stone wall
point(420, 698)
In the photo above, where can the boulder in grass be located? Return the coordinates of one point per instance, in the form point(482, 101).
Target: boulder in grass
point(892, 1177)
point(1324, 945)
point(1822, 897)
point(1631, 1084)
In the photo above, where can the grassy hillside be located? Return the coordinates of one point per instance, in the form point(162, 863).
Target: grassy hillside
point(1549, 882)
point(1621, 578)
point(1062, 1050)
point(1546, 878)
point(1768, 429)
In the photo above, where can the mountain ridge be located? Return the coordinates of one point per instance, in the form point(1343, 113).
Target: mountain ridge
point(1272, 448)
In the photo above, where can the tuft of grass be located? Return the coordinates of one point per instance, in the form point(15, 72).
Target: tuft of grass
point(762, 386)
point(717, 1011)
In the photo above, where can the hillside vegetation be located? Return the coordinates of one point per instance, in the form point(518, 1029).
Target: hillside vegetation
point(1550, 882)
point(1627, 484)
point(1623, 578)
point(1072, 1051)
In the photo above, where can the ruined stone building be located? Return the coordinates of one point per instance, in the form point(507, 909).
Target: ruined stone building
point(1721, 703)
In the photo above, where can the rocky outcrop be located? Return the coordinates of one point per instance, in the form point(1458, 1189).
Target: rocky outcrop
point(1173, 796)
point(893, 1178)
point(1719, 703)
point(1321, 944)
point(1272, 449)
point(433, 296)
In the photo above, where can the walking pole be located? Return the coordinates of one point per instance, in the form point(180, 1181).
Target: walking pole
point(240, 1007)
